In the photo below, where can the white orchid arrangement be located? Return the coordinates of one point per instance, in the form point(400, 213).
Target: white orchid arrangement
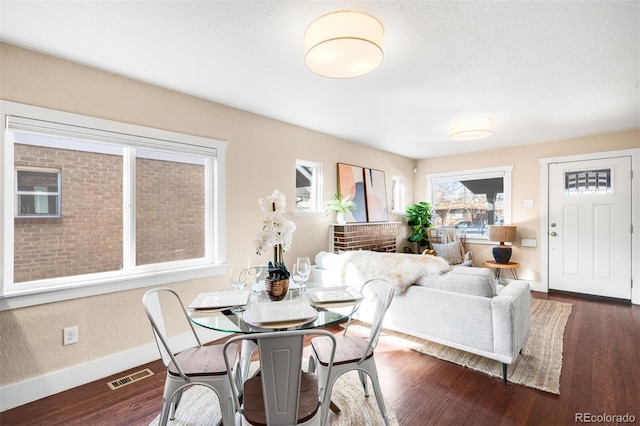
point(277, 232)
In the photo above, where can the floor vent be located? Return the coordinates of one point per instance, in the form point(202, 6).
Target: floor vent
point(134, 377)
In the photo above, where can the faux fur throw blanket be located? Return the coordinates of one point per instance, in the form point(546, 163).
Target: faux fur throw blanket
point(401, 269)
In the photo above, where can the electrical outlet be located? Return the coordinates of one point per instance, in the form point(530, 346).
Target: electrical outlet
point(70, 335)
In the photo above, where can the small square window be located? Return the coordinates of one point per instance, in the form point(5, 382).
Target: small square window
point(38, 193)
point(308, 186)
point(397, 194)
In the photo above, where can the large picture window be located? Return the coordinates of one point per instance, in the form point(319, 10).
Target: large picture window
point(471, 200)
point(119, 203)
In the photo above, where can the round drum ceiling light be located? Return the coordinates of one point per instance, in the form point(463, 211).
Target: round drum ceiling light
point(470, 129)
point(343, 44)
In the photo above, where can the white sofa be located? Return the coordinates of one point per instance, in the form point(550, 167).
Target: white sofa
point(463, 308)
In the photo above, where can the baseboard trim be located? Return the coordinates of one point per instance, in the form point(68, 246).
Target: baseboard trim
point(30, 390)
point(534, 285)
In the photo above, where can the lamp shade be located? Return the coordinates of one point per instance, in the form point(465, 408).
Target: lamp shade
point(504, 233)
point(470, 129)
point(343, 44)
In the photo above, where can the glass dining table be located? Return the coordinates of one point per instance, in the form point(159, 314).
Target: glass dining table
point(299, 310)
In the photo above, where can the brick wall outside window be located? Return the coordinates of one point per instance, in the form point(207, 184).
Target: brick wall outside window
point(88, 237)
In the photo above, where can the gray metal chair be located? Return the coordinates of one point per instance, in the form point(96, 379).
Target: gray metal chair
point(282, 394)
point(200, 365)
point(354, 352)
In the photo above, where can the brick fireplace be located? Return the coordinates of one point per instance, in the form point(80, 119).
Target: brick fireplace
point(364, 236)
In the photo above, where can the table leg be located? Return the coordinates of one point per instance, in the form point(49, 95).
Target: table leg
point(248, 348)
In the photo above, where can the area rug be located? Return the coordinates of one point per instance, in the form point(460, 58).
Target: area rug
point(538, 366)
point(199, 406)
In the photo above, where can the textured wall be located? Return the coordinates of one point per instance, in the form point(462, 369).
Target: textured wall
point(260, 158)
point(525, 185)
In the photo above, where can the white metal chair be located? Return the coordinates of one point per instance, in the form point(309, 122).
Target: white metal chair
point(200, 365)
point(355, 352)
point(282, 394)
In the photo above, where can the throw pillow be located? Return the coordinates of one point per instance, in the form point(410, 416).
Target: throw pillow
point(452, 252)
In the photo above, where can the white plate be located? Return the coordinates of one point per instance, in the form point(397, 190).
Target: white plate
point(220, 300)
point(268, 313)
point(334, 294)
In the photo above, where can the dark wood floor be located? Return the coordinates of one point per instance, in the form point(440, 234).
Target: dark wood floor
point(600, 375)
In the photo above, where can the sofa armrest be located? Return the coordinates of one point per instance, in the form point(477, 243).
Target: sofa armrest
point(511, 318)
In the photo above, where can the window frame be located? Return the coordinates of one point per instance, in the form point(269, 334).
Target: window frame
point(316, 188)
point(57, 194)
point(45, 291)
point(475, 174)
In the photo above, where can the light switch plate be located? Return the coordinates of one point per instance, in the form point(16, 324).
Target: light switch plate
point(528, 202)
point(529, 242)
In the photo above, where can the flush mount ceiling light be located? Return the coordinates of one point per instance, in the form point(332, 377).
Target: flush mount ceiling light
point(470, 129)
point(343, 44)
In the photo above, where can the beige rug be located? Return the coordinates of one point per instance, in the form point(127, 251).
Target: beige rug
point(199, 406)
point(538, 366)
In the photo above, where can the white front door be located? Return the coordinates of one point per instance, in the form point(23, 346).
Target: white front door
point(590, 227)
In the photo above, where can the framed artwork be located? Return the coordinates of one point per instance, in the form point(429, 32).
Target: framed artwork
point(376, 195)
point(351, 182)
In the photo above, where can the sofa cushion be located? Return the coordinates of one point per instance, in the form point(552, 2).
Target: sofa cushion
point(327, 260)
point(461, 279)
point(452, 252)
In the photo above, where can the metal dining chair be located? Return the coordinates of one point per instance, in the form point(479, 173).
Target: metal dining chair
point(354, 352)
point(200, 365)
point(281, 394)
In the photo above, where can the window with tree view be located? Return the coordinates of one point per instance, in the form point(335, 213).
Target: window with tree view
point(471, 201)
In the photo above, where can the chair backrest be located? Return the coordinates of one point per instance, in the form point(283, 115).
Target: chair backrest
point(384, 292)
point(154, 310)
point(280, 370)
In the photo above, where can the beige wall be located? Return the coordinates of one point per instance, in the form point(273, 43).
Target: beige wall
point(525, 185)
point(261, 157)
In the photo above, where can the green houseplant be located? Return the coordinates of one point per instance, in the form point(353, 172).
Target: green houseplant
point(419, 219)
point(340, 206)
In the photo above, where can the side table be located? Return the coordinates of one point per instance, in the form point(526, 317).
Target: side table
point(500, 266)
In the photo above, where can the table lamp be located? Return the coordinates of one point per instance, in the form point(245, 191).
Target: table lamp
point(504, 234)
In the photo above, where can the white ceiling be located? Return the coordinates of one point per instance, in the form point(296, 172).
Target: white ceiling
point(543, 70)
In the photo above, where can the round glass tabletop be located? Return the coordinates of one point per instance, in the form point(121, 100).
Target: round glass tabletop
point(243, 319)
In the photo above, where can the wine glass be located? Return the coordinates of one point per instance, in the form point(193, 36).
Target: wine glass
point(237, 285)
point(301, 271)
point(251, 275)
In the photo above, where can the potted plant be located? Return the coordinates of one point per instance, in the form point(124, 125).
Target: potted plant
point(419, 219)
point(277, 234)
point(340, 206)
